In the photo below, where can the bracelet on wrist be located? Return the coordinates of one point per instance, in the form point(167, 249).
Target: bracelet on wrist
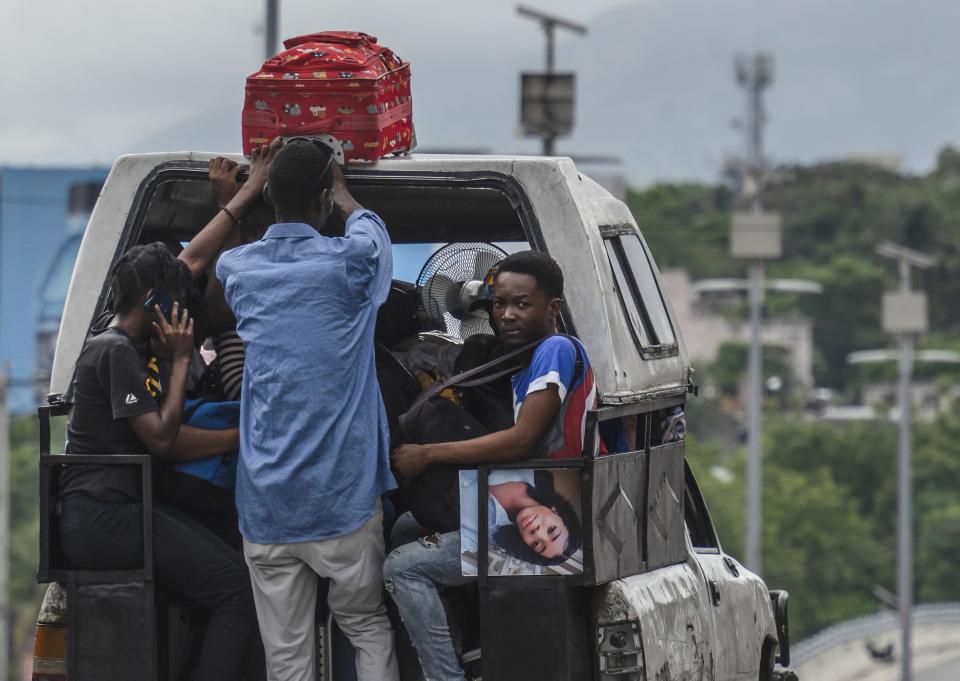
point(230, 215)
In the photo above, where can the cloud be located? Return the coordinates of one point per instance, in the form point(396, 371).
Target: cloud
point(655, 78)
point(107, 77)
point(858, 76)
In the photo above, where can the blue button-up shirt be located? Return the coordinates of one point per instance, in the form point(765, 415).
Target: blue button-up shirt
point(314, 443)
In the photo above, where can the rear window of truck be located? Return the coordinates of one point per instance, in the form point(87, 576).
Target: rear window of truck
point(638, 291)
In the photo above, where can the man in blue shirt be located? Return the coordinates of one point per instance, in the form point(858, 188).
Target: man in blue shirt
point(314, 454)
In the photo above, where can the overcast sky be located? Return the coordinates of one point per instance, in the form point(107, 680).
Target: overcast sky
point(90, 78)
point(86, 80)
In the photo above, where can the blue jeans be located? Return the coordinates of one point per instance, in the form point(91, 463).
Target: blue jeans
point(414, 574)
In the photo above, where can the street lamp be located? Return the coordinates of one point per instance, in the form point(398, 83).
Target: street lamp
point(708, 286)
point(271, 27)
point(752, 238)
point(905, 317)
point(922, 356)
point(547, 99)
point(755, 237)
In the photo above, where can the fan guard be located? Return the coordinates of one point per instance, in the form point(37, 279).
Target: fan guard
point(449, 283)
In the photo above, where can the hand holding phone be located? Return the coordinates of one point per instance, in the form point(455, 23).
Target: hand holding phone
point(160, 298)
point(177, 334)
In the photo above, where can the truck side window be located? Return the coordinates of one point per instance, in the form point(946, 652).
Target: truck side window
point(638, 291)
point(702, 534)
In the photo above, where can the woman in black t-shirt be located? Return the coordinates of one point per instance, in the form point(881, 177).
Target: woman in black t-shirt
point(114, 412)
point(119, 408)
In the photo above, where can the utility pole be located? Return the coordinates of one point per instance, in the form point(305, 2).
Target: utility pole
point(272, 27)
point(4, 524)
point(550, 85)
point(759, 238)
point(905, 317)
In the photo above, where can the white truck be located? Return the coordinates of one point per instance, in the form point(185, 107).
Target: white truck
point(659, 600)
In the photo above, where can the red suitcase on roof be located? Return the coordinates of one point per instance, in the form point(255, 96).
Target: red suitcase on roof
point(338, 83)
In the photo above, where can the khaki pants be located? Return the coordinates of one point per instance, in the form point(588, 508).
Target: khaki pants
point(284, 580)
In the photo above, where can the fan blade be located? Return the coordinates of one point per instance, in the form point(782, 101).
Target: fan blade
point(484, 261)
point(434, 294)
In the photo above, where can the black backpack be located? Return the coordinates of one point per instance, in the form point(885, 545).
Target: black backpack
point(490, 403)
point(434, 496)
point(398, 387)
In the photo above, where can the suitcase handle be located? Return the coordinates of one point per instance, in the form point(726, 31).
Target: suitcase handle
point(343, 37)
point(279, 63)
point(387, 56)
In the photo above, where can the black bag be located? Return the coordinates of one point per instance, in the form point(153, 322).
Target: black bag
point(434, 496)
point(490, 403)
point(397, 317)
point(398, 387)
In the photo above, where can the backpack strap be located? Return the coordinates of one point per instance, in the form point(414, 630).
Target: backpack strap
point(515, 361)
point(578, 366)
point(465, 379)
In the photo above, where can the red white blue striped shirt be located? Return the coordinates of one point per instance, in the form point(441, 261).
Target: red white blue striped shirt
point(555, 363)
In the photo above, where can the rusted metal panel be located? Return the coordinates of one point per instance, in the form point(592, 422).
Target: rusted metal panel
point(53, 610)
point(537, 632)
point(617, 502)
point(666, 536)
point(672, 609)
point(117, 638)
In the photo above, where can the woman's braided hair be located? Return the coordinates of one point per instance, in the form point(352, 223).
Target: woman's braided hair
point(142, 268)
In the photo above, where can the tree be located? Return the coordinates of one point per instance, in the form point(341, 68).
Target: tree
point(834, 216)
point(817, 544)
point(727, 370)
point(25, 593)
point(829, 533)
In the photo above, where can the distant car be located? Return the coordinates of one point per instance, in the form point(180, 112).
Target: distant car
point(658, 598)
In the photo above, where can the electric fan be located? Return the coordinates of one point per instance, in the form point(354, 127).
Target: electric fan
point(449, 283)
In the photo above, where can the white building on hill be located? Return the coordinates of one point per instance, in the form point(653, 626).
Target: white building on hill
point(705, 330)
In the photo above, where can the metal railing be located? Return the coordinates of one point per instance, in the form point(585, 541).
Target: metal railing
point(870, 625)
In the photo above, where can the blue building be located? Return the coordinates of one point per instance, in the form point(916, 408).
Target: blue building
point(43, 212)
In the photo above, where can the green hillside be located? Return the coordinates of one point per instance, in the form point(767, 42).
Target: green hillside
point(829, 489)
point(834, 216)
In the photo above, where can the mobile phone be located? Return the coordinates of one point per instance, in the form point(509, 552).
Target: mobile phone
point(162, 298)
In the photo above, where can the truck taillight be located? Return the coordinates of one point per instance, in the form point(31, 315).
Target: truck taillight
point(50, 653)
point(621, 652)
